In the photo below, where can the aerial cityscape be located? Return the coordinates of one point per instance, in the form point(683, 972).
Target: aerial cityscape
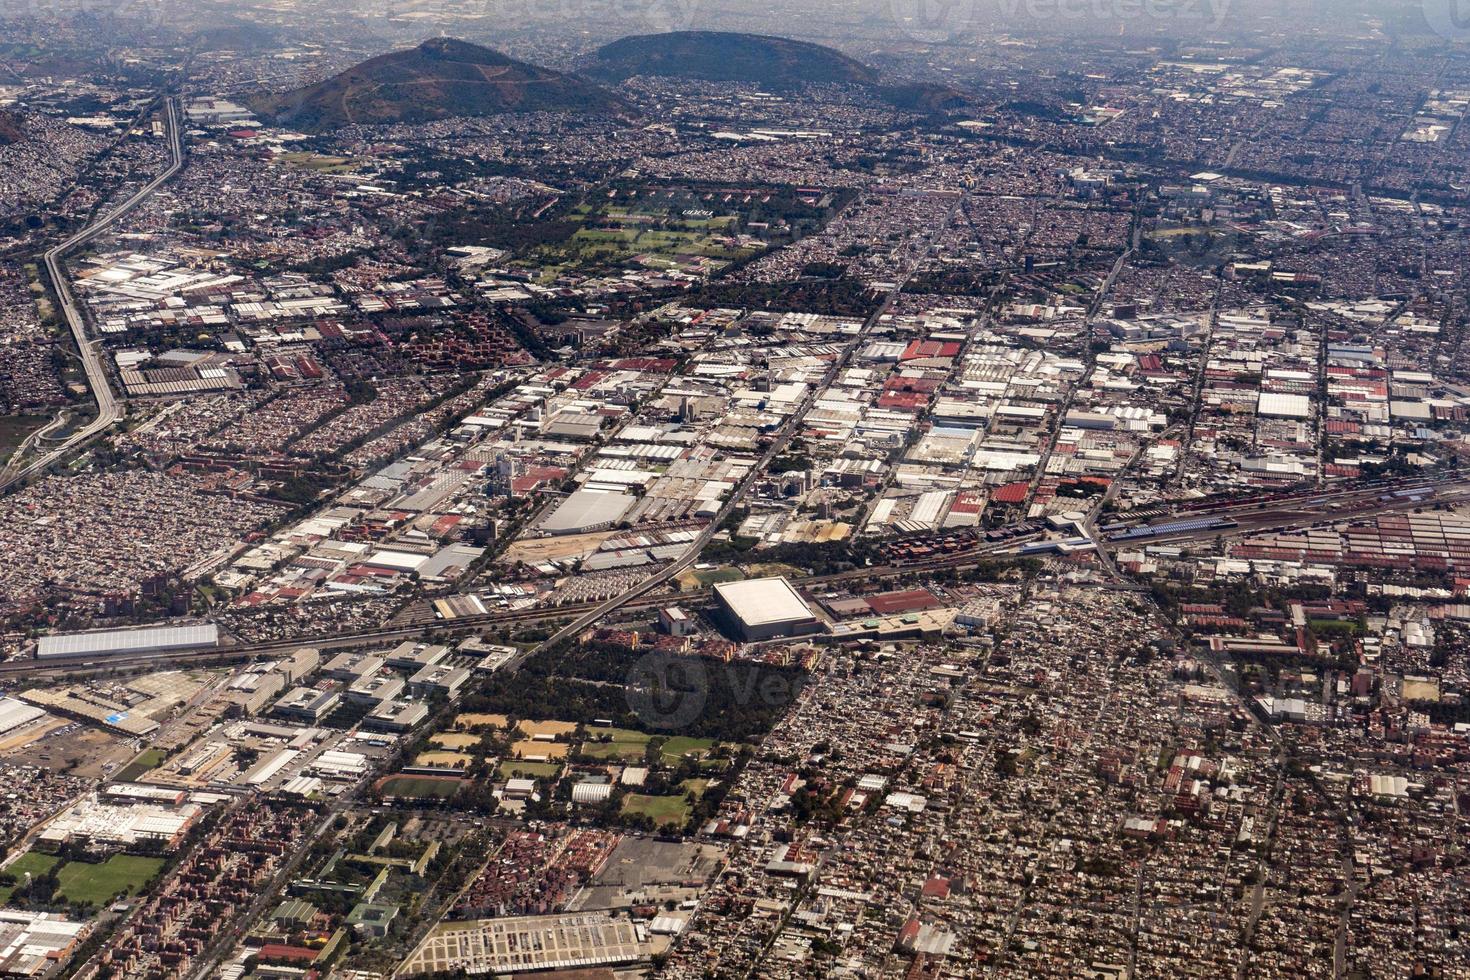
point(690, 489)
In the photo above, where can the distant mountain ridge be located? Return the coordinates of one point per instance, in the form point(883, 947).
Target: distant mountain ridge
point(439, 79)
point(774, 63)
point(718, 56)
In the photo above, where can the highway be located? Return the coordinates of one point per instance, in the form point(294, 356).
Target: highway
point(777, 446)
point(109, 407)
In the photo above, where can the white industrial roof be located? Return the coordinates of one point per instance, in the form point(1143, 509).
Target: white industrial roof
point(15, 713)
point(124, 641)
point(1284, 406)
point(587, 509)
point(762, 601)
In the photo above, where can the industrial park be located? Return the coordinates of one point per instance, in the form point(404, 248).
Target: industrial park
point(841, 491)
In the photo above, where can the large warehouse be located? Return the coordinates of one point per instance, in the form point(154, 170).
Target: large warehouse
point(107, 643)
point(765, 609)
point(587, 510)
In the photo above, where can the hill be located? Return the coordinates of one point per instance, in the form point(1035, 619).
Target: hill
point(716, 56)
point(923, 97)
point(438, 79)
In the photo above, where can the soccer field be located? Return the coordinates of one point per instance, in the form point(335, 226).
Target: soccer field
point(96, 884)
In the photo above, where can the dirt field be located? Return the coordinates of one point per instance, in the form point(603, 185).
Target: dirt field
point(536, 550)
point(33, 732)
point(527, 749)
point(84, 752)
point(545, 729)
point(472, 720)
point(453, 740)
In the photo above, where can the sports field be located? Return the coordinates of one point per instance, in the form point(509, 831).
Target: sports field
point(98, 884)
point(420, 787)
point(665, 810)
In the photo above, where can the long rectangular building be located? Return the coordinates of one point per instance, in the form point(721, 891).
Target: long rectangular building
point(107, 643)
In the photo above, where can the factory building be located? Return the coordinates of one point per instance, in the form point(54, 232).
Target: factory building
point(108, 643)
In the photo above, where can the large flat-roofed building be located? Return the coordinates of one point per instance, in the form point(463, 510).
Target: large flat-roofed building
point(442, 679)
point(396, 716)
point(106, 643)
point(306, 704)
point(108, 825)
point(416, 656)
point(302, 661)
point(32, 944)
point(523, 944)
point(765, 609)
point(587, 510)
point(15, 714)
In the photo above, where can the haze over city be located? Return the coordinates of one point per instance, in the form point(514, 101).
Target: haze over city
point(677, 490)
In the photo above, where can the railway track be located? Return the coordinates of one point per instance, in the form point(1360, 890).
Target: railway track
point(1377, 501)
point(466, 624)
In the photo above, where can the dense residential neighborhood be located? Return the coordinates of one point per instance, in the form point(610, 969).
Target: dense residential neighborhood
point(681, 491)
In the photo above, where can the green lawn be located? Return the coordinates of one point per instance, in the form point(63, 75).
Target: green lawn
point(665, 810)
point(146, 760)
point(15, 429)
point(96, 884)
point(625, 743)
point(420, 787)
point(681, 745)
point(706, 577)
point(530, 770)
point(695, 786)
point(34, 862)
point(625, 751)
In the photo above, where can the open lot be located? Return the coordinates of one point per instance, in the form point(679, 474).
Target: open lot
point(33, 863)
point(546, 729)
point(14, 430)
point(470, 721)
point(615, 743)
point(696, 579)
point(454, 740)
point(534, 749)
point(665, 810)
point(530, 770)
point(420, 787)
point(147, 760)
point(533, 551)
point(80, 751)
point(84, 882)
point(96, 884)
point(679, 746)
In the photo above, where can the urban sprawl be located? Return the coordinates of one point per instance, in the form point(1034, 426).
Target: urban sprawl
point(1008, 521)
